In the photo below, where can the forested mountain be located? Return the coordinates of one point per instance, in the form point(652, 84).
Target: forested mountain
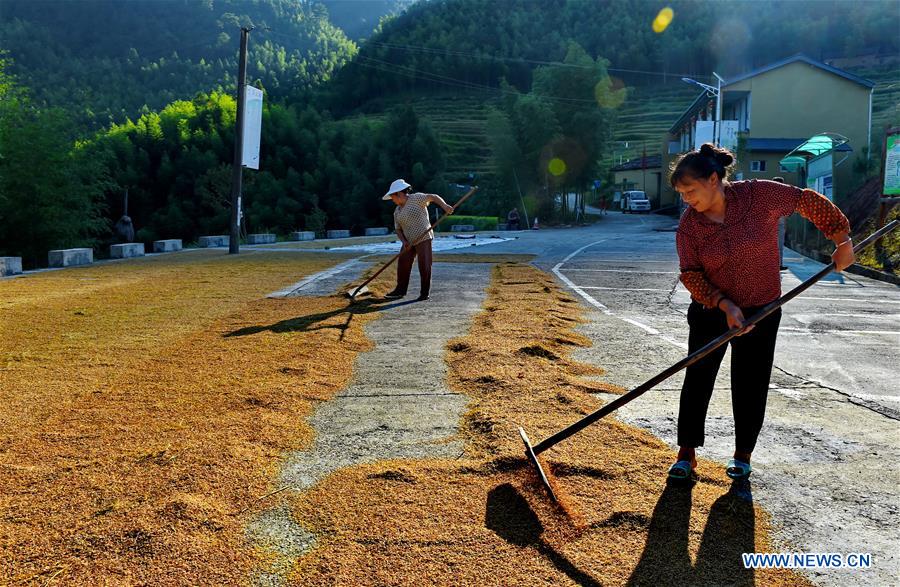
point(360, 18)
point(103, 60)
point(522, 97)
point(474, 43)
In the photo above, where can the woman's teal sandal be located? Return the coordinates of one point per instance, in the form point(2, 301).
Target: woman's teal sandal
point(738, 469)
point(682, 471)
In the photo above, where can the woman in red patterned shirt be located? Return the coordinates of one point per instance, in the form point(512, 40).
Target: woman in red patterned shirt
point(728, 249)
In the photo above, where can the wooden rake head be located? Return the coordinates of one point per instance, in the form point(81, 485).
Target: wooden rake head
point(529, 452)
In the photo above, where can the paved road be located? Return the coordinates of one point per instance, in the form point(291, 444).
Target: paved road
point(842, 333)
point(826, 460)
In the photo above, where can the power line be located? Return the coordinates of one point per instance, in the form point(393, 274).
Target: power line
point(435, 50)
point(428, 76)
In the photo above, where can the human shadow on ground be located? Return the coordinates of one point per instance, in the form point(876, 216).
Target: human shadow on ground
point(729, 532)
point(512, 519)
point(323, 320)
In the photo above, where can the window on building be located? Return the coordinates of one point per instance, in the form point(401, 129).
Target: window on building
point(783, 169)
point(758, 165)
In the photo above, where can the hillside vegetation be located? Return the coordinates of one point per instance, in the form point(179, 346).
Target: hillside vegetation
point(526, 99)
point(105, 60)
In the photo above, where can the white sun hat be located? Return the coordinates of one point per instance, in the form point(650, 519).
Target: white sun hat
point(398, 186)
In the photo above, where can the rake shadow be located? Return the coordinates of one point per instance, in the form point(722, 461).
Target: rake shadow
point(318, 321)
point(512, 519)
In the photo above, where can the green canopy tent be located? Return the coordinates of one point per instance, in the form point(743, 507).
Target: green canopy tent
point(815, 147)
point(814, 160)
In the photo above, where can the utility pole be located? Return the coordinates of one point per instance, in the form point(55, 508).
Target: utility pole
point(237, 165)
point(644, 168)
point(521, 199)
point(717, 92)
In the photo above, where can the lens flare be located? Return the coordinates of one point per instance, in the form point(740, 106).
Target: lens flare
point(663, 20)
point(556, 166)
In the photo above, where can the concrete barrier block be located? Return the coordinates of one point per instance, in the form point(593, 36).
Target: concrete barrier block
point(376, 231)
point(260, 239)
point(338, 234)
point(70, 257)
point(167, 246)
point(303, 235)
point(10, 266)
point(214, 241)
point(463, 228)
point(126, 250)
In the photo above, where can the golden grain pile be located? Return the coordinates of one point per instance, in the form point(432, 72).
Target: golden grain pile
point(483, 519)
point(144, 407)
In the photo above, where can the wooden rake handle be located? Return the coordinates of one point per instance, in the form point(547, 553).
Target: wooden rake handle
point(414, 242)
point(701, 352)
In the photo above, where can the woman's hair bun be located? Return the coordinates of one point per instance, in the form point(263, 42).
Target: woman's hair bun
point(722, 156)
point(702, 163)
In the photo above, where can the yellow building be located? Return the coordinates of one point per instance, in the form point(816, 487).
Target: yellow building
point(643, 173)
point(775, 109)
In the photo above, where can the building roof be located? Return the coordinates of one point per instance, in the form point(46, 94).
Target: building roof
point(701, 100)
point(803, 59)
point(649, 162)
point(782, 145)
point(698, 103)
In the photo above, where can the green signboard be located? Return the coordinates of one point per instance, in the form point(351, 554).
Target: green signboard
point(892, 163)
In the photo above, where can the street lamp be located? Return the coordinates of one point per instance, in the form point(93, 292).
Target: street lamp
point(712, 91)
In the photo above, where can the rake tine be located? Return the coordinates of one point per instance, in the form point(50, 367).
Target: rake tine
point(529, 452)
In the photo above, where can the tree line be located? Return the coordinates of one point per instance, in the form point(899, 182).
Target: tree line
point(476, 44)
point(107, 60)
point(318, 172)
point(63, 171)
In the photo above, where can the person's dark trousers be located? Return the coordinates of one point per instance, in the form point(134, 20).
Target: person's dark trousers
point(752, 355)
point(404, 268)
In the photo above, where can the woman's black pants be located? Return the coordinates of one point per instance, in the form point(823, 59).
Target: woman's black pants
point(752, 355)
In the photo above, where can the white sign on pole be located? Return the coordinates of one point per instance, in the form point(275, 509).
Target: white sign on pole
point(703, 133)
point(706, 133)
point(729, 135)
point(253, 106)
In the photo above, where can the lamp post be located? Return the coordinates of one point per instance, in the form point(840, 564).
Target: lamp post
point(717, 92)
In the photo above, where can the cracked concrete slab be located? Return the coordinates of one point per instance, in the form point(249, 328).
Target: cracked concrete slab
point(397, 406)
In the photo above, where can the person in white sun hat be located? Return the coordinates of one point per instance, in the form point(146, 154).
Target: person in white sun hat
point(414, 230)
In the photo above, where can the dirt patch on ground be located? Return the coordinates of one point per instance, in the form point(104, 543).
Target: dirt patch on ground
point(145, 406)
point(484, 519)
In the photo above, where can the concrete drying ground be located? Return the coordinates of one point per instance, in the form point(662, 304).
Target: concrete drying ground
point(825, 461)
point(398, 405)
